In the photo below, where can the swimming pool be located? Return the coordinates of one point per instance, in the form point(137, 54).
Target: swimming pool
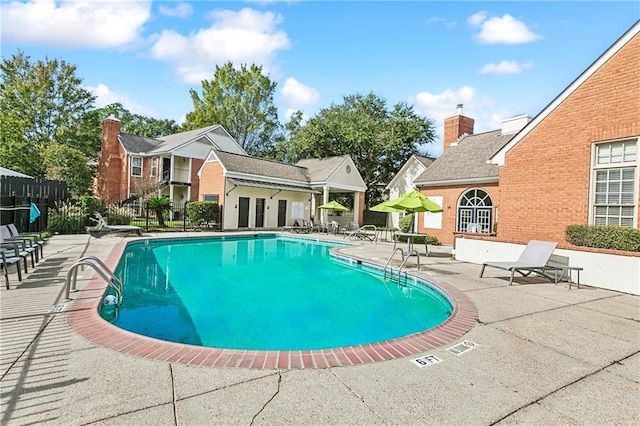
point(265, 292)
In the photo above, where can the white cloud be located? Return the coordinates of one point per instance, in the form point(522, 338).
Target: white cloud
point(450, 25)
point(477, 18)
point(71, 23)
point(181, 10)
point(105, 96)
point(244, 37)
point(438, 106)
point(504, 30)
point(505, 67)
point(296, 93)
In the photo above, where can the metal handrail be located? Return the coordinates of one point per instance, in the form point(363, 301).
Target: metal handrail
point(105, 273)
point(361, 233)
point(402, 264)
point(389, 261)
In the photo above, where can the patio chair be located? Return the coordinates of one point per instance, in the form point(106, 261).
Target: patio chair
point(8, 257)
point(21, 247)
point(35, 237)
point(534, 258)
point(103, 228)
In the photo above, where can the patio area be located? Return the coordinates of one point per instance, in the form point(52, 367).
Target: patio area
point(539, 354)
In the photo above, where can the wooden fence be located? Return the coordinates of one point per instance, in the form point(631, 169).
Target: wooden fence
point(17, 194)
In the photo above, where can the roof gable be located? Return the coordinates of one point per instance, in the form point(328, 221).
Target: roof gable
point(499, 157)
point(339, 172)
point(415, 162)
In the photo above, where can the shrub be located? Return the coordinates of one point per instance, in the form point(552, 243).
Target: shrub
point(119, 215)
point(604, 236)
point(89, 205)
point(202, 211)
point(66, 218)
point(406, 222)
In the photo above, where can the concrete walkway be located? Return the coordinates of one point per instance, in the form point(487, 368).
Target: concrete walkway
point(543, 354)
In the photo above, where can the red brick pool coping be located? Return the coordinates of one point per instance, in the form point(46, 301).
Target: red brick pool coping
point(83, 318)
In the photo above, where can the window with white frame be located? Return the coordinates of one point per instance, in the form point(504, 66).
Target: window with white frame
point(614, 183)
point(154, 167)
point(475, 212)
point(136, 166)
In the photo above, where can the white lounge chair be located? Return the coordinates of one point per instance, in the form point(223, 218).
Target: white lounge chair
point(103, 228)
point(534, 258)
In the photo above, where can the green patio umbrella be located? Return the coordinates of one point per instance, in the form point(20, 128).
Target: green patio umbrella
point(384, 207)
point(334, 205)
point(414, 202)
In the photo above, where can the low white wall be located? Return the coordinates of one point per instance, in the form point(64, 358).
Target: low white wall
point(619, 273)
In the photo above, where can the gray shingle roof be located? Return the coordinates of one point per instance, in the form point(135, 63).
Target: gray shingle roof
point(320, 169)
point(261, 167)
point(426, 161)
point(138, 144)
point(467, 160)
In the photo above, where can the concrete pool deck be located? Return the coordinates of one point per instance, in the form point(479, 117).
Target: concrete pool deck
point(543, 354)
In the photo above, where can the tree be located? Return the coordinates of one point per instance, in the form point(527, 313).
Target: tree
point(41, 103)
point(69, 164)
point(159, 205)
point(378, 140)
point(241, 100)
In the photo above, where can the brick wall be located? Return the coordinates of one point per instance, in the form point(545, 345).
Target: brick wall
point(195, 180)
point(456, 126)
point(212, 181)
point(112, 165)
point(545, 182)
point(450, 196)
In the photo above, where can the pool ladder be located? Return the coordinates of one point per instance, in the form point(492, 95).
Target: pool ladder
point(101, 269)
point(402, 264)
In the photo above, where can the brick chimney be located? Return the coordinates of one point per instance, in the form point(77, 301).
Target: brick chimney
point(111, 160)
point(456, 126)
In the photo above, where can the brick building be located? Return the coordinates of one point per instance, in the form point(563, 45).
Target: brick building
point(574, 163)
point(131, 166)
point(462, 182)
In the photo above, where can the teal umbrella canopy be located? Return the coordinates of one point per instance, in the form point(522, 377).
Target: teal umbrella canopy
point(414, 202)
point(334, 205)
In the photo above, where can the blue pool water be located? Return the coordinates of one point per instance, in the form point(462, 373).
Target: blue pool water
point(264, 293)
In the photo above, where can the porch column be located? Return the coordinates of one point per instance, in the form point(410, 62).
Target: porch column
point(356, 207)
point(325, 199)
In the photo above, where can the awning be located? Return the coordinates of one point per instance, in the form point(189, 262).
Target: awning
point(272, 185)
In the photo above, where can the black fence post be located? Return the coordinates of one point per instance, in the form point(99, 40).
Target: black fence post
point(146, 214)
point(184, 217)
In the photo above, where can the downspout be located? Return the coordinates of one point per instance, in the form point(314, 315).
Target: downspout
point(128, 176)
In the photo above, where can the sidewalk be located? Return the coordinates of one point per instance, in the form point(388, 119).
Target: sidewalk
point(543, 354)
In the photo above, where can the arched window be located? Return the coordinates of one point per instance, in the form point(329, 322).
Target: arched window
point(475, 211)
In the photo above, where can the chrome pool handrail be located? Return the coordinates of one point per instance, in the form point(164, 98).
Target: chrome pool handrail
point(100, 268)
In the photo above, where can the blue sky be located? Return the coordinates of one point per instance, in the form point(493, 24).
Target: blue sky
point(498, 59)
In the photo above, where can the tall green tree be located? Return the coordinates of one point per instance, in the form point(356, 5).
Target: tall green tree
point(41, 103)
point(378, 139)
point(69, 164)
point(241, 100)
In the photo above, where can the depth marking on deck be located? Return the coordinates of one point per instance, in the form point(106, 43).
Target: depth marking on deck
point(463, 347)
point(57, 308)
point(425, 361)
